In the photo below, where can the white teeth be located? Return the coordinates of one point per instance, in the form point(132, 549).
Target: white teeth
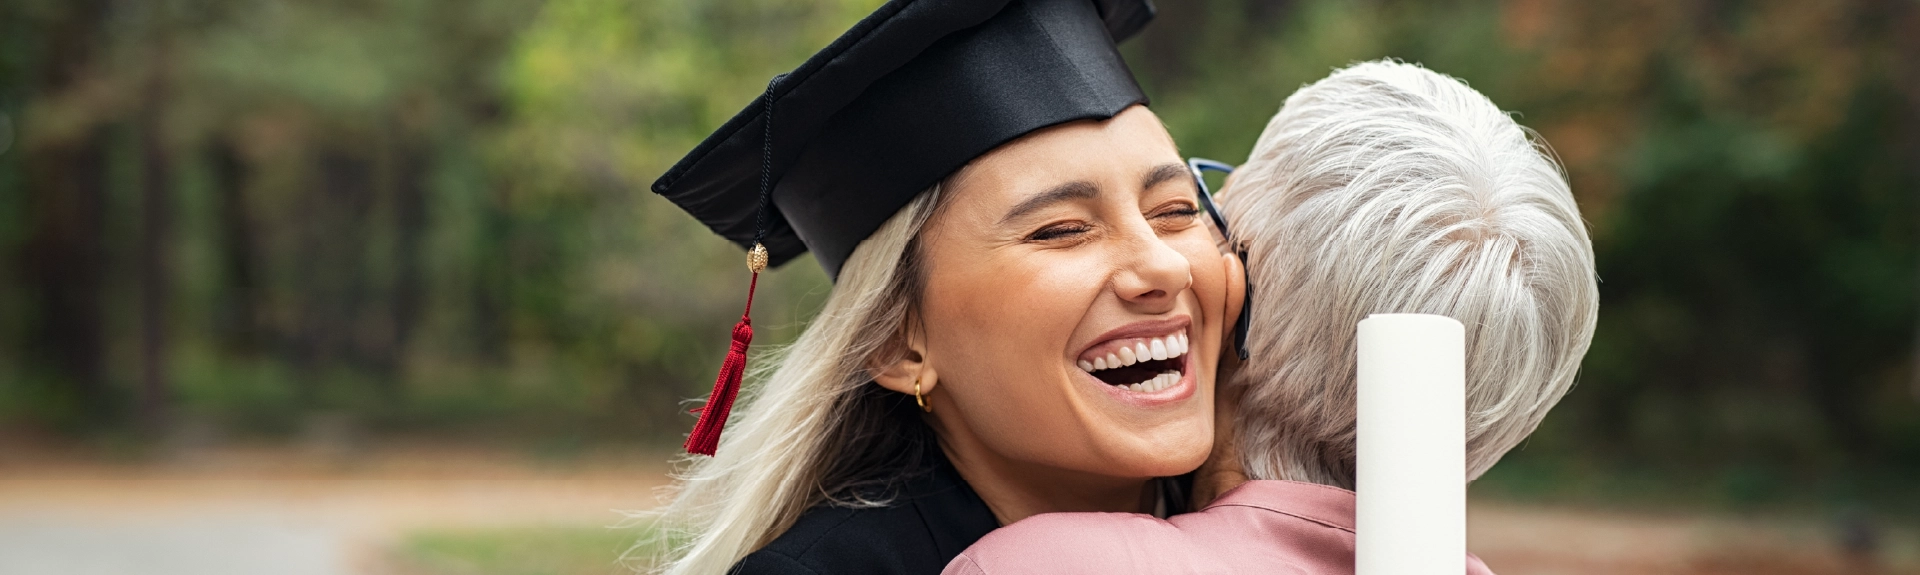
point(1159, 348)
point(1159, 382)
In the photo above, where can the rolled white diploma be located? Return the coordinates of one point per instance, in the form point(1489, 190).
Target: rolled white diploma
point(1412, 459)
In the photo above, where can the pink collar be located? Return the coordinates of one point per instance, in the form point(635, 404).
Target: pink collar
point(1326, 505)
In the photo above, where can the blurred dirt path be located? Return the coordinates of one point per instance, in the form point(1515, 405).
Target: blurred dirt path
point(248, 513)
point(269, 513)
point(1539, 540)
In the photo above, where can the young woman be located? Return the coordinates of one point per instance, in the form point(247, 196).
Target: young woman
point(1027, 298)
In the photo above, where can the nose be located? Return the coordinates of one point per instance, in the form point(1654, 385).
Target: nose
point(1151, 273)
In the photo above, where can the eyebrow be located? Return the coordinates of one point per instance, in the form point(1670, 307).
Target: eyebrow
point(1074, 190)
point(1164, 173)
point(1082, 189)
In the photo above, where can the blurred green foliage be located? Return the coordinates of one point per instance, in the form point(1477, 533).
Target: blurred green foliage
point(434, 214)
point(1749, 173)
point(557, 550)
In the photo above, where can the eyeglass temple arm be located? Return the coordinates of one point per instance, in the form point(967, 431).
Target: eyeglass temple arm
point(1240, 327)
point(1198, 164)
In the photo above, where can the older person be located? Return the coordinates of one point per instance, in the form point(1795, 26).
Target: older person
point(1385, 188)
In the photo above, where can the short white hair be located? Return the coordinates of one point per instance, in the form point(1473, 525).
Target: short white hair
point(1389, 188)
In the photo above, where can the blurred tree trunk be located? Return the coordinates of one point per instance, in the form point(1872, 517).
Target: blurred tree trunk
point(238, 321)
point(493, 283)
point(1838, 395)
point(410, 221)
point(63, 257)
point(492, 278)
point(66, 185)
point(156, 229)
point(1905, 32)
point(331, 276)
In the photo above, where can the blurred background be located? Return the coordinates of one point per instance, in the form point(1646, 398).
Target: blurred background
point(377, 286)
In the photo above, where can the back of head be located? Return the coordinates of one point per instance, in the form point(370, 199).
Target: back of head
point(1388, 188)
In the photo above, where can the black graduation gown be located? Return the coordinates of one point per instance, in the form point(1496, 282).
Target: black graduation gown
point(935, 516)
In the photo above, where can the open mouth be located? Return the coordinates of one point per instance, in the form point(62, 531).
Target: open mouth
point(1141, 364)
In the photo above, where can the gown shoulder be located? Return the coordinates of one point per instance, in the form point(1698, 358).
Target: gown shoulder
point(930, 520)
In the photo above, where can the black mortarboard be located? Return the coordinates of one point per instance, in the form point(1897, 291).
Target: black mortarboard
point(909, 95)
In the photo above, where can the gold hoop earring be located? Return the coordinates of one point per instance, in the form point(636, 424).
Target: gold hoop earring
point(917, 398)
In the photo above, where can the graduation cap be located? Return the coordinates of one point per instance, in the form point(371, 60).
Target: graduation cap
point(907, 96)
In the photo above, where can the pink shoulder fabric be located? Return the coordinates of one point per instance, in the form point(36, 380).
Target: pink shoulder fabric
point(1279, 527)
point(1089, 543)
point(963, 565)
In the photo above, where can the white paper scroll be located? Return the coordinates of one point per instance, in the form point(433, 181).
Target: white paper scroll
point(1412, 465)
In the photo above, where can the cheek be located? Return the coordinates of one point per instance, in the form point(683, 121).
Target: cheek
point(1004, 320)
point(1000, 328)
point(1209, 275)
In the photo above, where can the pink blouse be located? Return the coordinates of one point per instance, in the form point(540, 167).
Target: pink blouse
point(1259, 527)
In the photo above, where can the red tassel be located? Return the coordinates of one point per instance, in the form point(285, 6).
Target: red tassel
point(706, 433)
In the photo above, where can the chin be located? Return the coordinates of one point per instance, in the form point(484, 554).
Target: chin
point(1156, 456)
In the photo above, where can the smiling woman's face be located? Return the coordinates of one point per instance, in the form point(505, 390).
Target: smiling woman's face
point(1072, 305)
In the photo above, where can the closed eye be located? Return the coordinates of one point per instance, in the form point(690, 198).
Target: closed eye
point(1182, 212)
point(1176, 216)
point(1058, 231)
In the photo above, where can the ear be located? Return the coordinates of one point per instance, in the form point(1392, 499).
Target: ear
point(910, 365)
point(1236, 299)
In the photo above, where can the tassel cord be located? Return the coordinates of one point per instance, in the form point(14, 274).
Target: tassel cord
point(705, 438)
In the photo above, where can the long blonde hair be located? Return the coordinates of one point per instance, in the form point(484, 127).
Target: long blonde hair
point(815, 427)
